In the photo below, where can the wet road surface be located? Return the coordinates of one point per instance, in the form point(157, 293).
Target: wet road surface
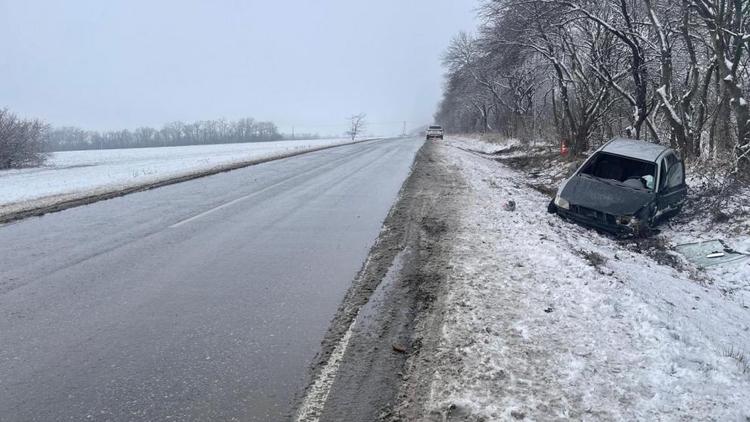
point(205, 300)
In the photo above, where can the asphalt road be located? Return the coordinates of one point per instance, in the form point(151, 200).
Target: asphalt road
point(205, 300)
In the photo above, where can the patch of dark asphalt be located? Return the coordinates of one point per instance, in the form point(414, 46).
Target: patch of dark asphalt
point(392, 300)
point(64, 204)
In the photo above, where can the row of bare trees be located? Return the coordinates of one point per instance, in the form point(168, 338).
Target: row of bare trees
point(21, 141)
point(668, 71)
point(173, 134)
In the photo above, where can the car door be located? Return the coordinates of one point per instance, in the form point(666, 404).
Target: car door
point(672, 187)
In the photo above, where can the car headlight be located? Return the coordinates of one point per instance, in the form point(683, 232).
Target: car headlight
point(561, 202)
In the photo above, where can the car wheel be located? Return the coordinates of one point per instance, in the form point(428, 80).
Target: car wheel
point(649, 222)
point(672, 213)
point(551, 207)
point(652, 218)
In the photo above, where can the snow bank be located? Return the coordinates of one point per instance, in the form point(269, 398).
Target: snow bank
point(547, 320)
point(80, 172)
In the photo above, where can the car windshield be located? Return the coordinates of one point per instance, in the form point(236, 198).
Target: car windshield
point(627, 171)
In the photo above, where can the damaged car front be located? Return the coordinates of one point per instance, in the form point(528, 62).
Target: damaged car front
point(618, 188)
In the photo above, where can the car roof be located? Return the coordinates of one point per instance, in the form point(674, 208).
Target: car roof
point(435, 127)
point(640, 150)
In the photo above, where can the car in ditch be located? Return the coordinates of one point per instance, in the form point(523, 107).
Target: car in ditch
point(626, 187)
point(434, 132)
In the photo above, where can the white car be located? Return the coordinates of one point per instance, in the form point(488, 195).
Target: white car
point(434, 132)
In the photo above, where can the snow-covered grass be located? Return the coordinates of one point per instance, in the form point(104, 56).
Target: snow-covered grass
point(68, 174)
point(547, 320)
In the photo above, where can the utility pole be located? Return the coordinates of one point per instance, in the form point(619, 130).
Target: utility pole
point(403, 132)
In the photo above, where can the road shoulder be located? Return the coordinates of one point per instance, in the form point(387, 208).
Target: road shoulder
point(359, 372)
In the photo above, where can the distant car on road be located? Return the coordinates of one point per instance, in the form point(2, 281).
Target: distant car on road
point(626, 187)
point(434, 132)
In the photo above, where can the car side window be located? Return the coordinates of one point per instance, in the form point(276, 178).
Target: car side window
point(676, 176)
point(663, 174)
point(671, 160)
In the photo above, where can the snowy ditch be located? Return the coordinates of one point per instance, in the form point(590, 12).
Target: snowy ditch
point(545, 319)
point(687, 243)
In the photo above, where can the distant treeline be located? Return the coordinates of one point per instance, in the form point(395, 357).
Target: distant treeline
point(172, 134)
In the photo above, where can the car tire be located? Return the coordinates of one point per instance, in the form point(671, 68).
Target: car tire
point(551, 207)
point(672, 213)
point(648, 222)
point(653, 221)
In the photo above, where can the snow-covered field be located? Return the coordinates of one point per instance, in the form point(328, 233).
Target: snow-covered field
point(68, 174)
point(546, 320)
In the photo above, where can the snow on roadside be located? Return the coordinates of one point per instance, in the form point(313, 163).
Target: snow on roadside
point(547, 320)
point(696, 223)
point(77, 172)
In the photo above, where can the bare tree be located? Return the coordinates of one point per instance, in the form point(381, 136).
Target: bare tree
point(682, 94)
point(357, 124)
point(21, 141)
point(673, 71)
point(624, 21)
point(571, 46)
point(474, 89)
point(728, 22)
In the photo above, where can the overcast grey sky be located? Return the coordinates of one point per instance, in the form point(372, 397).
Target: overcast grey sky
point(123, 64)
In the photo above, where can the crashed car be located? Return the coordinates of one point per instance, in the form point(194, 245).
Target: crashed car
point(626, 187)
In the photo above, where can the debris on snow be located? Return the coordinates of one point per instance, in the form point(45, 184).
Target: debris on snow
point(398, 348)
point(710, 252)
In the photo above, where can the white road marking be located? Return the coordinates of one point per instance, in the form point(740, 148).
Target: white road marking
point(212, 210)
point(234, 201)
point(230, 203)
point(316, 397)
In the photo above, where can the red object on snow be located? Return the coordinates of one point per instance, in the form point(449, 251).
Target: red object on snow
point(564, 150)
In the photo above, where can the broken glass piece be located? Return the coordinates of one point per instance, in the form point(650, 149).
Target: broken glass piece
point(710, 252)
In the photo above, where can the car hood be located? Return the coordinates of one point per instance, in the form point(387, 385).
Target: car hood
point(602, 196)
